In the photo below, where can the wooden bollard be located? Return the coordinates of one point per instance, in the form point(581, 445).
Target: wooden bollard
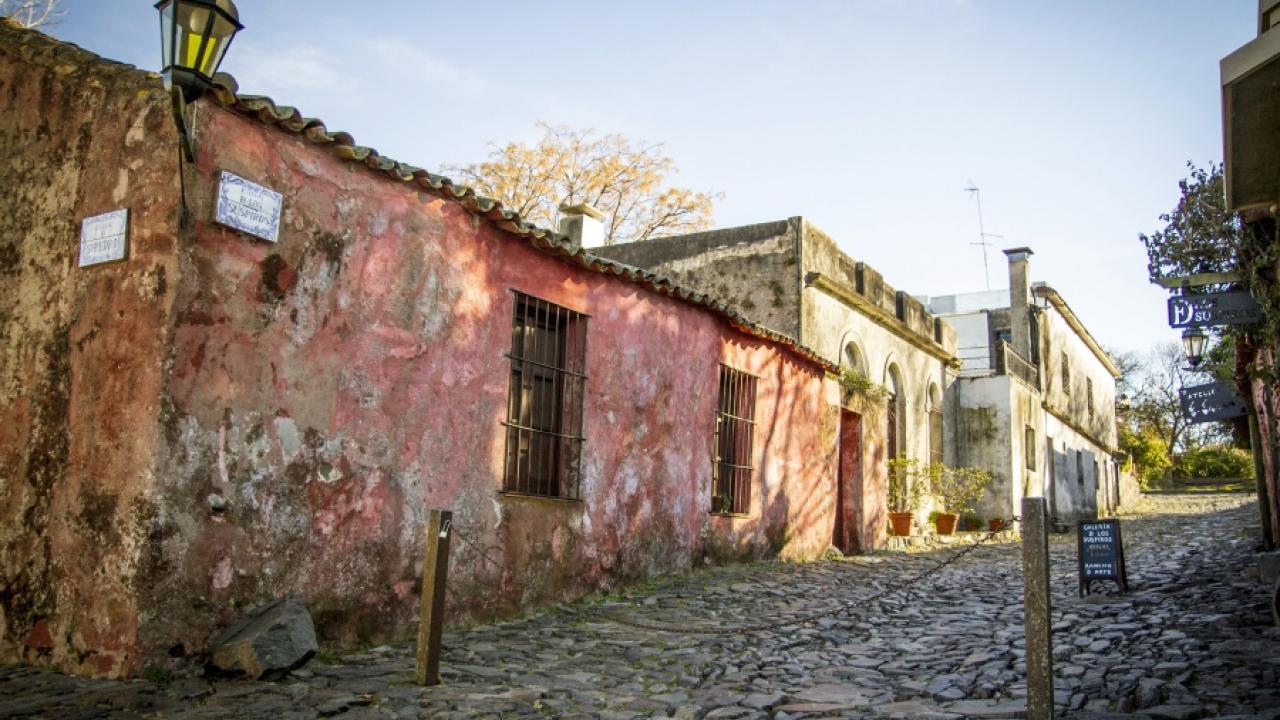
point(435, 571)
point(1037, 609)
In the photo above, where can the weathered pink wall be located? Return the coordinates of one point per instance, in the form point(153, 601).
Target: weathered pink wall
point(80, 348)
point(1267, 403)
point(332, 388)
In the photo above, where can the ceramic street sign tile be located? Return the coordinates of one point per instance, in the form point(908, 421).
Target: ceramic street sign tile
point(1213, 401)
point(1213, 309)
point(248, 207)
point(104, 238)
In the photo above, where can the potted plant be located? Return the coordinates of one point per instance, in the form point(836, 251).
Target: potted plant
point(959, 489)
point(906, 488)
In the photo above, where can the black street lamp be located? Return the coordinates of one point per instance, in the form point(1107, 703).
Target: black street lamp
point(1193, 340)
point(194, 36)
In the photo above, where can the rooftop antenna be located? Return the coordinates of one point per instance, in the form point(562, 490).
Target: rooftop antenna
point(982, 233)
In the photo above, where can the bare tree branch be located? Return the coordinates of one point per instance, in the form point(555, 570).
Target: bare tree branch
point(625, 180)
point(33, 13)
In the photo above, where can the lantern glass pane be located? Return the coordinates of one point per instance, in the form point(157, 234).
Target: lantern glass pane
point(166, 36)
point(213, 55)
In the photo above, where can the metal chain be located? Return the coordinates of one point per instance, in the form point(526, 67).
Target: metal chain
point(482, 552)
point(813, 616)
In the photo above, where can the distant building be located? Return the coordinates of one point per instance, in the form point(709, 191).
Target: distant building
point(1036, 397)
point(791, 277)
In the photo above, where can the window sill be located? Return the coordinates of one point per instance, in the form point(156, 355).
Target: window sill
point(548, 499)
point(738, 516)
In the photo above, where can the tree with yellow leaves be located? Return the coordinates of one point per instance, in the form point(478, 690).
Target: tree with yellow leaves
point(625, 180)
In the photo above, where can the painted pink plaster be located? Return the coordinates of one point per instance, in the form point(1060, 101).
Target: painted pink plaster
point(375, 331)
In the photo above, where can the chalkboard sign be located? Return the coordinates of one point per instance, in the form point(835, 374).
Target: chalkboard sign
point(1101, 553)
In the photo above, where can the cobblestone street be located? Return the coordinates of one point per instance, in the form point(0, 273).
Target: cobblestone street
point(1193, 639)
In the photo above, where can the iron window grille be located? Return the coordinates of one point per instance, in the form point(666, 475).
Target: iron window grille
point(544, 403)
point(1066, 374)
point(734, 441)
point(1089, 384)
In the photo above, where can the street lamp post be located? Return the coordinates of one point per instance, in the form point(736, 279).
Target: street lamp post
point(1193, 342)
point(194, 37)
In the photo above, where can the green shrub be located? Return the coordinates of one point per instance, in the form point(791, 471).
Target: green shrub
point(1216, 461)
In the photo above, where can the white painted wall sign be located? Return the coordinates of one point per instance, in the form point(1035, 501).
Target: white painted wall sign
point(104, 238)
point(248, 207)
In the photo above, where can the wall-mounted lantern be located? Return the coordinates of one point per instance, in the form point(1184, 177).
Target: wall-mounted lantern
point(194, 37)
point(1193, 341)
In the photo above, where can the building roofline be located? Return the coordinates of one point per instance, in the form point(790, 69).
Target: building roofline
point(342, 145)
point(1048, 293)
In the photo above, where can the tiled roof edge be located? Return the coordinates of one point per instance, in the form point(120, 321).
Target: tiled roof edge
point(343, 145)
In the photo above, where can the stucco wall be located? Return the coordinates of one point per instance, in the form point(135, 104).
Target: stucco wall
point(332, 388)
point(1057, 338)
point(1075, 487)
point(80, 348)
point(995, 412)
point(754, 269)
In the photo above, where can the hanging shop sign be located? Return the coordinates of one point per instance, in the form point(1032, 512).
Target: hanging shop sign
point(1101, 554)
point(1236, 307)
point(104, 238)
point(248, 207)
point(1210, 402)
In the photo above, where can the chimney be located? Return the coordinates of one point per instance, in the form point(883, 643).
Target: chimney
point(583, 224)
point(1020, 300)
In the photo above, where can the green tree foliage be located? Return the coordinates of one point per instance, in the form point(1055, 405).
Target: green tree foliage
point(1148, 457)
point(1150, 424)
point(1200, 234)
point(1216, 461)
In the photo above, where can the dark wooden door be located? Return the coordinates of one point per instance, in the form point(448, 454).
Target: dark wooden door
point(849, 519)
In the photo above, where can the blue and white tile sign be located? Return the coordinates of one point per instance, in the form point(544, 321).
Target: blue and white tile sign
point(248, 207)
point(104, 238)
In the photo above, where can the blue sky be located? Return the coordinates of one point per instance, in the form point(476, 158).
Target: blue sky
point(869, 117)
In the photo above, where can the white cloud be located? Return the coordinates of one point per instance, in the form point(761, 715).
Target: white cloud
point(369, 69)
point(298, 69)
point(411, 64)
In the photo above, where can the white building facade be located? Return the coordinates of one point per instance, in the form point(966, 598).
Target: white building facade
point(1036, 399)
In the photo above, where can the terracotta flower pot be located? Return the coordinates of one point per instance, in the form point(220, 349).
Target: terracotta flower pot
point(900, 522)
point(995, 524)
point(946, 523)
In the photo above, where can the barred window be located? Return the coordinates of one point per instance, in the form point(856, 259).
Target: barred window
point(1066, 374)
point(1089, 387)
point(544, 404)
point(735, 432)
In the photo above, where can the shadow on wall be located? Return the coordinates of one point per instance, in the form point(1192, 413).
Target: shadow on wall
point(1075, 496)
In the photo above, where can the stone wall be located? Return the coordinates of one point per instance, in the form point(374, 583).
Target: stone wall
point(754, 269)
point(81, 349)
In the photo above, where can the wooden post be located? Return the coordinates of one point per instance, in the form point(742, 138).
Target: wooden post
point(1260, 480)
point(1036, 605)
point(435, 571)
